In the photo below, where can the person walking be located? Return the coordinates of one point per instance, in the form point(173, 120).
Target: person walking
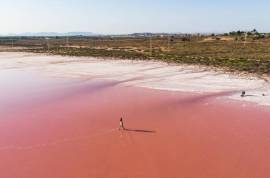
point(121, 126)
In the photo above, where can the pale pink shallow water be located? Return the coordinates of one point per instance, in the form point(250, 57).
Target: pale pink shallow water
point(68, 129)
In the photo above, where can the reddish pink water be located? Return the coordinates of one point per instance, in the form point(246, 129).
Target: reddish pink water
point(68, 129)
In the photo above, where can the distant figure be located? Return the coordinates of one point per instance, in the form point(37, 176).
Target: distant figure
point(121, 126)
point(243, 94)
point(263, 94)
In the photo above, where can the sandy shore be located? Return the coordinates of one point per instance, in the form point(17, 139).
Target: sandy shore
point(60, 117)
point(148, 74)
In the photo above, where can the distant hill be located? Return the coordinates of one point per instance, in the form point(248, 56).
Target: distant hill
point(54, 34)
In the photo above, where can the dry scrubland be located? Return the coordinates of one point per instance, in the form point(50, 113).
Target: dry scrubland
point(230, 52)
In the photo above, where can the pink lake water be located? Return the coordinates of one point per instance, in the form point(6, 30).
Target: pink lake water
point(56, 128)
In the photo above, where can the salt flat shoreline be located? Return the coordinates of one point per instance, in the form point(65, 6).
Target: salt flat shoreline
point(141, 73)
point(59, 112)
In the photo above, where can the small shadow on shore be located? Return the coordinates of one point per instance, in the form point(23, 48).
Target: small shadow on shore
point(140, 131)
point(248, 96)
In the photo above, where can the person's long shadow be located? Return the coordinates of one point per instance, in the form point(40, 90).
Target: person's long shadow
point(248, 96)
point(140, 131)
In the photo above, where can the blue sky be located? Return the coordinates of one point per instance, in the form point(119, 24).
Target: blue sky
point(126, 16)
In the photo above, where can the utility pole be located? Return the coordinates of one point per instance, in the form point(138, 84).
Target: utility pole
point(246, 34)
point(169, 43)
point(67, 41)
point(48, 43)
point(90, 43)
point(151, 46)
